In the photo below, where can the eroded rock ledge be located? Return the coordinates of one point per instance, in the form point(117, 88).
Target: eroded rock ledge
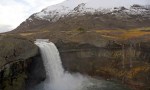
point(20, 63)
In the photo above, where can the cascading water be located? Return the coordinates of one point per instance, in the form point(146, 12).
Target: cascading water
point(58, 79)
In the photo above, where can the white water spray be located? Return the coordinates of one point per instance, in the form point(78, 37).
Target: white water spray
point(57, 78)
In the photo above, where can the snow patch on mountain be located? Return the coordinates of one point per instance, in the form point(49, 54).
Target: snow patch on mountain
point(81, 7)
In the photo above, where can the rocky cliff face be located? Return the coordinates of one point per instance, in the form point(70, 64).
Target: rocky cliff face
point(110, 59)
point(128, 63)
point(18, 63)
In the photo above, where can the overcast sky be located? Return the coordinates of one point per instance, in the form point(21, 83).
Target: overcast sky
point(13, 12)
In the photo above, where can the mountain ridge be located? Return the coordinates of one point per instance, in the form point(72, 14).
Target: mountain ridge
point(63, 11)
point(82, 8)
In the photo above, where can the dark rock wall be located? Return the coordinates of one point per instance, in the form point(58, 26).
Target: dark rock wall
point(128, 63)
point(36, 72)
point(20, 63)
point(22, 75)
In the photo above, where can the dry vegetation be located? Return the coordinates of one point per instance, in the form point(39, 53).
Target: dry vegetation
point(125, 34)
point(78, 34)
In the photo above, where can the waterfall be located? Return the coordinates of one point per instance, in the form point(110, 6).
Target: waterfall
point(56, 77)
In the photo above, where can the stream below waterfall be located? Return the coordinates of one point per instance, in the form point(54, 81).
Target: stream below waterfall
point(58, 79)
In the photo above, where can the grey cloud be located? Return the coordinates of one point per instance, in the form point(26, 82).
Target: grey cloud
point(5, 28)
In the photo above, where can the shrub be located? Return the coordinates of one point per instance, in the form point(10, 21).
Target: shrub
point(81, 29)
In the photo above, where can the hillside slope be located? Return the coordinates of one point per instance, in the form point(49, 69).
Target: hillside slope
point(73, 14)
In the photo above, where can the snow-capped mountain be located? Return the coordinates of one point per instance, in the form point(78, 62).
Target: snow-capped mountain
point(73, 7)
point(76, 8)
